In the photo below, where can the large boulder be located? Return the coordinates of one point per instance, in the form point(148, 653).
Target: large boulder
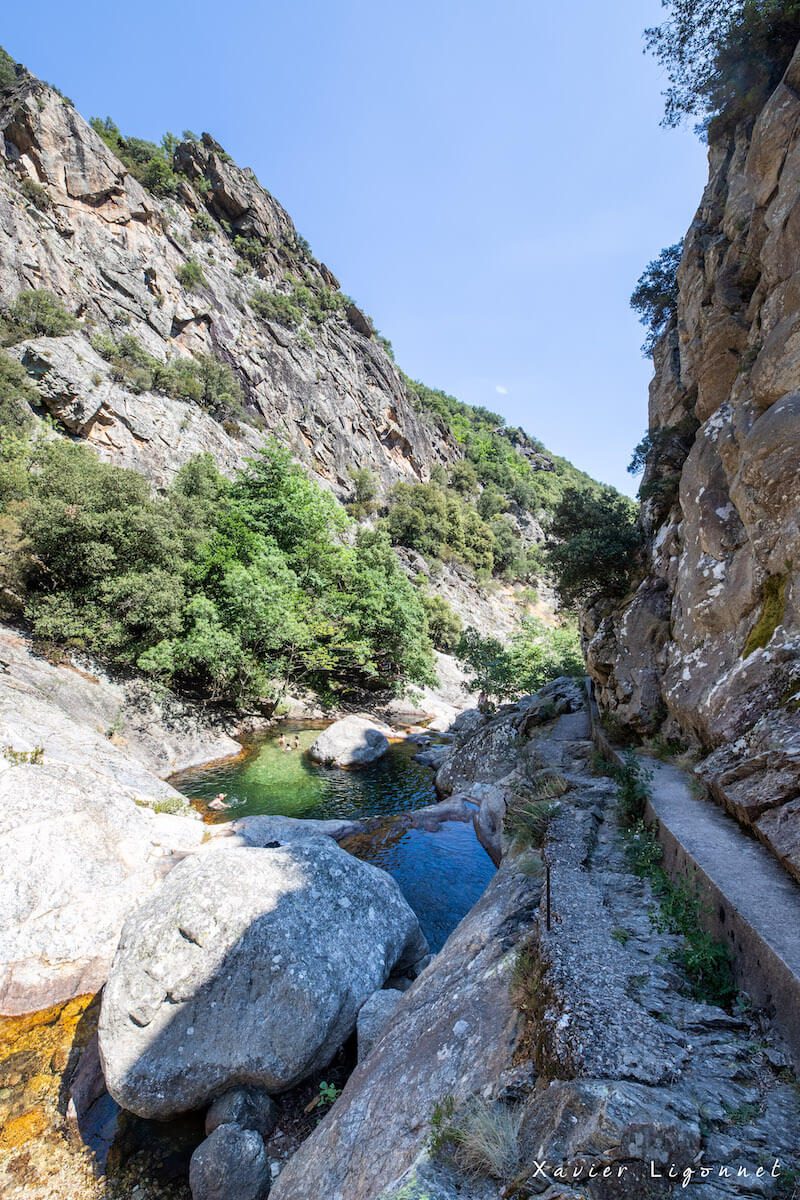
point(77, 855)
point(248, 966)
point(351, 742)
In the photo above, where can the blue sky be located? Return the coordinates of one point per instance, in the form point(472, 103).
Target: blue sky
point(487, 179)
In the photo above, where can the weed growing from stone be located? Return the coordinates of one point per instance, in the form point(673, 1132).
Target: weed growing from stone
point(482, 1138)
point(633, 789)
point(19, 758)
point(329, 1093)
point(705, 961)
point(526, 823)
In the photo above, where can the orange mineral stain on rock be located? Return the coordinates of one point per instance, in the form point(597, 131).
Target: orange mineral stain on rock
point(41, 1157)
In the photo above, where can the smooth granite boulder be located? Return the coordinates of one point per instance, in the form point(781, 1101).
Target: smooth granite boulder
point(351, 742)
point(248, 966)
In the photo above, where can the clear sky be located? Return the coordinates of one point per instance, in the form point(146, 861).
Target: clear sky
point(487, 179)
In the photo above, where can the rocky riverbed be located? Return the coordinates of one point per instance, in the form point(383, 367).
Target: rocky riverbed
point(262, 970)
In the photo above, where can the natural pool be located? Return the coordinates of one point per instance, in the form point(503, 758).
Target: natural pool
point(441, 874)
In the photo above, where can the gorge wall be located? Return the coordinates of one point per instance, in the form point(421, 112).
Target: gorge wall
point(112, 251)
point(707, 646)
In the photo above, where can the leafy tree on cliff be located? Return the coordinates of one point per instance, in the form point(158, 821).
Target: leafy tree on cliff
point(655, 297)
point(722, 60)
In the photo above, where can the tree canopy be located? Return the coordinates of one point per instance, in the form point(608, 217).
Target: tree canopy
point(722, 60)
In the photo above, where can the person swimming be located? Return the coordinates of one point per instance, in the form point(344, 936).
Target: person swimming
point(219, 801)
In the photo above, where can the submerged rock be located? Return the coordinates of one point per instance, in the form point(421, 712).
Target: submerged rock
point(351, 742)
point(231, 1162)
point(248, 966)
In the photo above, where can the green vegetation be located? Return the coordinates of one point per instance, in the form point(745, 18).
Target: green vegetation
point(204, 380)
point(230, 590)
point(298, 303)
point(8, 73)
point(440, 524)
point(17, 395)
point(20, 758)
point(537, 654)
point(526, 822)
point(35, 193)
point(37, 313)
point(149, 163)
point(655, 297)
point(722, 61)
point(773, 606)
point(277, 307)
point(365, 492)
point(482, 1137)
point(705, 961)
point(329, 1093)
point(190, 275)
point(203, 227)
point(499, 454)
point(593, 545)
point(633, 781)
point(444, 625)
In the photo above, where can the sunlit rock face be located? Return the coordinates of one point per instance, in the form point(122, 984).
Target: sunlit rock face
point(112, 252)
point(709, 644)
point(248, 966)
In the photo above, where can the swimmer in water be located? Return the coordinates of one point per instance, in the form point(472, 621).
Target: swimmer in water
point(219, 801)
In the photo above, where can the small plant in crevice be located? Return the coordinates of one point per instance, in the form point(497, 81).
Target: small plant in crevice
point(526, 822)
point(329, 1093)
point(19, 758)
point(482, 1138)
point(633, 790)
point(190, 275)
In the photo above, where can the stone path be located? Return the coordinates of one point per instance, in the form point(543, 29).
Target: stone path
point(753, 905)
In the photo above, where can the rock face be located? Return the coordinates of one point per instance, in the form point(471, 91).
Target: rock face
point(80, 758)
point(351, 742)
point(112, 251)
point(248, 966)
point(710, 641)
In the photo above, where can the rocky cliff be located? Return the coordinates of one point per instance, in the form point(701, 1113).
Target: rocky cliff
point(707, 647)
point(75, 221)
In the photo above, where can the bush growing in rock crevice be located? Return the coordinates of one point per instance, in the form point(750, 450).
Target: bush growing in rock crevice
point(37, 313)
point(203, 380)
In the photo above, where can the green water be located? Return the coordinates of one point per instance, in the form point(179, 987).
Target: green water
point(279, 779)
point(441, 874)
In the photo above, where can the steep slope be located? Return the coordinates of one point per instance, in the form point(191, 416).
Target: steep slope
point(75, 221)
point(708, 646)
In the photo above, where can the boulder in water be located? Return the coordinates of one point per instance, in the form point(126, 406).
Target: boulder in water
point(248, 966)
point(351, 742)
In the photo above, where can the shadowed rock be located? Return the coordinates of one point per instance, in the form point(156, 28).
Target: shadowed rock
point(248, 966)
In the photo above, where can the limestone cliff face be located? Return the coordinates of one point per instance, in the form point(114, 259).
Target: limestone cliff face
point(710, 640)
point(112, 252)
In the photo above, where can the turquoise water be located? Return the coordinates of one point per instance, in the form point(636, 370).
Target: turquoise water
point(441, 874)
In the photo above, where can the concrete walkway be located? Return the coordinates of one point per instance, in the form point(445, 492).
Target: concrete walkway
point(751, 903)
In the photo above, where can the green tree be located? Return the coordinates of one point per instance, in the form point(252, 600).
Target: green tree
point(722, 61)
point(655, 297)
point(444, 625)
point(593, 545)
